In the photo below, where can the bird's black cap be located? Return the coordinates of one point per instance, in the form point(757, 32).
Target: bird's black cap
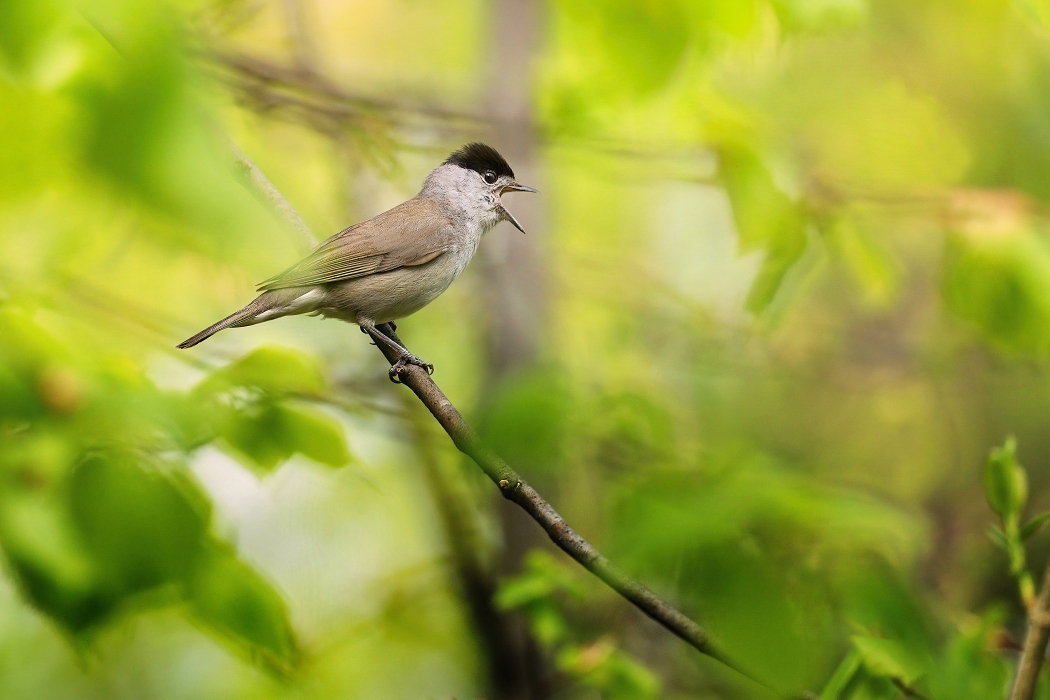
point(479, 157)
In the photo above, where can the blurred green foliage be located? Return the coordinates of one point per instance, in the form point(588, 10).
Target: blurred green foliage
point(797, 277)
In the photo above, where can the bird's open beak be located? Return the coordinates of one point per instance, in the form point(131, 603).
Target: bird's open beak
point(514, 187)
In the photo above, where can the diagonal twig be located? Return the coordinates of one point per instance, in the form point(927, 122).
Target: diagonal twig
point(1033, 653)
point(516, 489)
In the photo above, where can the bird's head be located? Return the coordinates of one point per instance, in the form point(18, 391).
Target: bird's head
point(475, 178)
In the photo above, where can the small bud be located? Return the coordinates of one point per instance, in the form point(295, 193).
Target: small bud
point(1005, 481)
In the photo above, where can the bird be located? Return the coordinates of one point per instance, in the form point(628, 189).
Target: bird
point(392, 265)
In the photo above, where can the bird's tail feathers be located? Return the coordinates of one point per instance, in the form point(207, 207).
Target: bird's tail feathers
point(233, 319)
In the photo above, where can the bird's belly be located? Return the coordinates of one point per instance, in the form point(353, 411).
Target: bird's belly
point(389, 296)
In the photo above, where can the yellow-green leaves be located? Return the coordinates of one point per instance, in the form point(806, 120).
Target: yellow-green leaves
point(766, 219)
point(269, 432)
point(136, 526)
point(887, 658)
point(99, 516)
point(128, 532)
point(997, 271)
point(271, 369)
point(542, 592)
point(876, 667)
point(25, 29)
point(232, 599)
point(258, 407)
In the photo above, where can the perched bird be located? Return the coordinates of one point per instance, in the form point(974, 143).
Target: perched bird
point(394, 264)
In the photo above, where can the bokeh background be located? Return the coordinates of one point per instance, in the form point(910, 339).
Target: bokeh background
point(786, 286)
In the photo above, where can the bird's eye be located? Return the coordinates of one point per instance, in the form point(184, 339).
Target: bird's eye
point(490, 177)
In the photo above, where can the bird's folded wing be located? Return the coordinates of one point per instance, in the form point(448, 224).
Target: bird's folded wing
point(412, 233)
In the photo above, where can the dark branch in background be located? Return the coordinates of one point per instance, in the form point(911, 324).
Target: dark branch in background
point(266, 81)
point(513, 306)
point(515, 489)
point(310, 99)
point(474, 578)
point(1033, 653)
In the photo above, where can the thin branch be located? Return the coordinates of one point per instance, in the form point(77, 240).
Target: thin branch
point(1033, 653)
point(257, 182)
point(293, 79)
point(515, 489)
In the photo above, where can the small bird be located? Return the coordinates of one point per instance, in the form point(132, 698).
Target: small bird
point(394, 264)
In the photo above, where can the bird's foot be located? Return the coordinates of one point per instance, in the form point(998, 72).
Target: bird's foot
point(402, 364)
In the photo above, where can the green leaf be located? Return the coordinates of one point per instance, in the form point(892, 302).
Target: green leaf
point(24, 28)
point(887, 658)
point(783, 252)
point(1034, 525)
point(275, 370)
point(1000, 285)
point(542, 578)
point(121, 529)
point(316, 435)
point(231, 599)
point(1005, 481)
point(136, 524)
point(270, 432)
point(537, 591)
point(766, 218)
point(49, 564)
point(842, 676)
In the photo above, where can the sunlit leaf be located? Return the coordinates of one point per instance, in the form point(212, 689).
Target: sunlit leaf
point(766, 219)
point(271, 368)
point(268, 433)
point(869, 262)
point(842, 677)
point(888, 658)
point(232, 599)
point(135, 524)
point(54, 572)
point(1000, 283)
point(24, 26)
point(315, 434)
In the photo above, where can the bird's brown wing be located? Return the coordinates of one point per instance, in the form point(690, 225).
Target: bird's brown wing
point(412, 233)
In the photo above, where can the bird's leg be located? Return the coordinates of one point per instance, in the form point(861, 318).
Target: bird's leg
point(404, 357)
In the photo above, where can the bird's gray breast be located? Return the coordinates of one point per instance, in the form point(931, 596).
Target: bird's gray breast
point(393, 295)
